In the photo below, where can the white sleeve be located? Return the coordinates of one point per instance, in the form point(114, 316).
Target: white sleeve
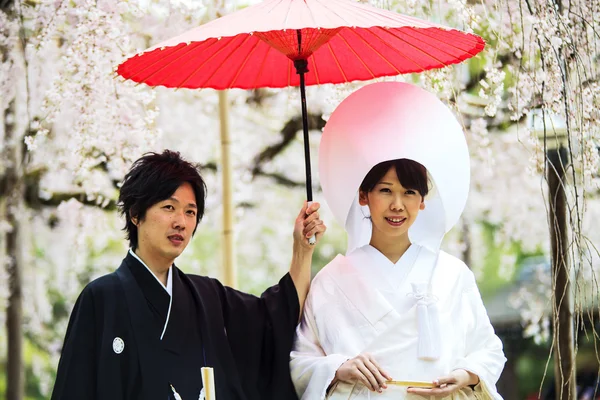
point(312, 370)
point(484, 356)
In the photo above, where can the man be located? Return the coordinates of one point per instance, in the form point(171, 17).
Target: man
point(146, 330)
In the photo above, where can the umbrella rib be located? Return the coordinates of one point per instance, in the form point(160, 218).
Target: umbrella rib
point(269, 5)
point(358, 57)
point(312, 16)
point(161, 59)
point(374, 50)
point(239, 71)
point(266, 4)
point(462, 39)
point(189, 49)
point(316, 70)
point(356, 9)
point(287, 14)
point(337, 61)
point(262, 65)
point(419, 66)
point(425, 32)
point(440, 49)
point(174, 72)
point(243, 14)
point(412, 45)
point(207, 60)
point(332, 10)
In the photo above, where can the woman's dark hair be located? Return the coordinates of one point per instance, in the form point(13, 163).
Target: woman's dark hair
point(153, 178)
point(411, 175)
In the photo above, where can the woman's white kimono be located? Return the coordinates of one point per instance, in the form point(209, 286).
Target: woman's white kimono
point(364, 303)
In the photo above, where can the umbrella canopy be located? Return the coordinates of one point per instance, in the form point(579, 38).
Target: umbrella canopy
point(280, 43)
point(341, 40)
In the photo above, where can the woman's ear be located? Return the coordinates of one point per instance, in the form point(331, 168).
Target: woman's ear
point(363, 198)
point(422, 206)
point(134, 220)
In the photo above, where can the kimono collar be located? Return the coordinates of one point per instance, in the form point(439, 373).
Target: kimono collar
point(158, 296)
point(169, 287)
point(380, 271)
point(407, 258)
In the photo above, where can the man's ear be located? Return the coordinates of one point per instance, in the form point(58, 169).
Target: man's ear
point(363, 198)
point(134, 220)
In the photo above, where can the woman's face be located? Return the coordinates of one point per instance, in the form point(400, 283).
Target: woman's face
point(393, 207)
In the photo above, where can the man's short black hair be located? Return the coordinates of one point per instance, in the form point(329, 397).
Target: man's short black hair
point(153, 178)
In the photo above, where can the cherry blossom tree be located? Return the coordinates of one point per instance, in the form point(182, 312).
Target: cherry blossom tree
point(80, 127)
point(541, 60)
point(71, 128)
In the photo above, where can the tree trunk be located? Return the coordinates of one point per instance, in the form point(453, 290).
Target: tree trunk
point(6, 5)
point(14, 310)
point(12, 186)
point(564, 354)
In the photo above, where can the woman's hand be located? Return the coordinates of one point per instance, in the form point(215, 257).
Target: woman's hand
point(447, 385)
point(364, 369)
point(308, 224)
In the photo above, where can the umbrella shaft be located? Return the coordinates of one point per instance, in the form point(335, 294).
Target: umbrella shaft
point(302, 68)
point(306, 139)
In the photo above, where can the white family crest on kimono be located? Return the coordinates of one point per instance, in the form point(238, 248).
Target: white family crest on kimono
point(360, 303)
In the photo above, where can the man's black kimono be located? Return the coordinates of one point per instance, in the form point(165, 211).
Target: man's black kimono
point(113, 350)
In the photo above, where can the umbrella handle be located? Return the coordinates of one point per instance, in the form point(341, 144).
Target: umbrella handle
point(313, 239)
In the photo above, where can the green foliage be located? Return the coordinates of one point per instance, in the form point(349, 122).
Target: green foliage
point(34, 358)
point(491, 281)
point(3, 378)
point(530, 365)
point(37, 357)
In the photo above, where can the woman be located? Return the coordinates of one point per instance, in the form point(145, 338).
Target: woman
point(394, 168)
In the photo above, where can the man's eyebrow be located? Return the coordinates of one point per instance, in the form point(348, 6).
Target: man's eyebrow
point(193, 205)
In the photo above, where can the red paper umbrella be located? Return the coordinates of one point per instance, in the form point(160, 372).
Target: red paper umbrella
point(280, 43)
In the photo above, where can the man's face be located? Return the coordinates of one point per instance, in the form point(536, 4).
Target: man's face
point(168, 225)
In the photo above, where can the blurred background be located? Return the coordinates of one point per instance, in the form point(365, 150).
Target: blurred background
point(70, 128)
